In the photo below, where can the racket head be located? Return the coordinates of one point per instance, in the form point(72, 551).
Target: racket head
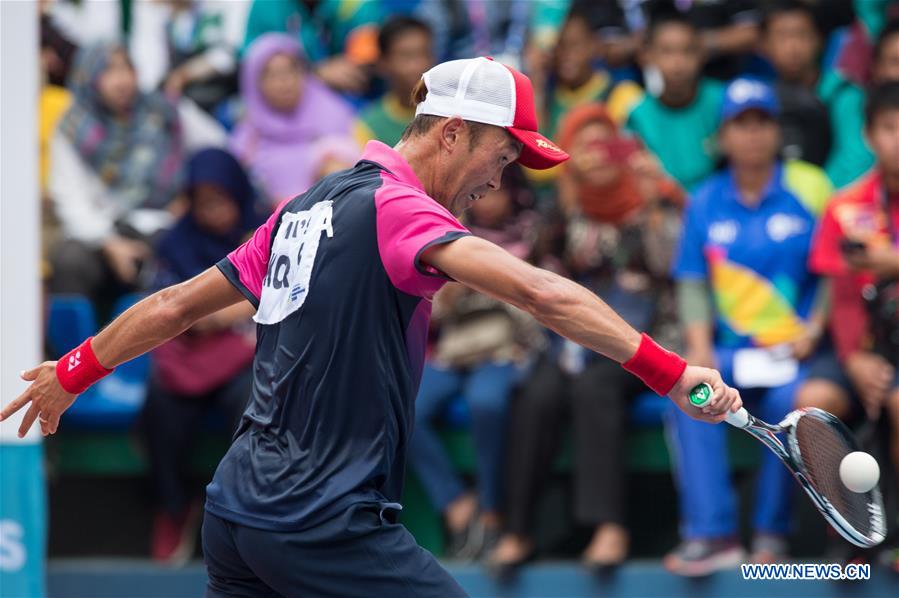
point(817, 441)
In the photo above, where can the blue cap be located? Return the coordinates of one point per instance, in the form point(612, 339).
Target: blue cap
point(748, 94)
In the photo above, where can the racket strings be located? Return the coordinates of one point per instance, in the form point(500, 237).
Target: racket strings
point(822, 449)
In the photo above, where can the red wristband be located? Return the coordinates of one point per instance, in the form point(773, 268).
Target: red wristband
point(79, 368)
point(659, 368)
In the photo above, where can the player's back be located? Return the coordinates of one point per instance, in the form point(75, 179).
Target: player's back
point(343, 305)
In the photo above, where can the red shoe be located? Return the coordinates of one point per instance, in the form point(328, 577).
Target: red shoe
point(174, 538)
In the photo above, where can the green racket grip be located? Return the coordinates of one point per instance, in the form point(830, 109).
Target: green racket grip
point(702, 394)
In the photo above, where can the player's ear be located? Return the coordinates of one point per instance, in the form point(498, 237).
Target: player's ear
point(451, 132)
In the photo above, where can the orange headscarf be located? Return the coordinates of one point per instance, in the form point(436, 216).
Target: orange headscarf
point(612, 203)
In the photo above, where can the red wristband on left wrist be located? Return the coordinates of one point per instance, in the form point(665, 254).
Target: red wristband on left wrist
point(657, 367)
point(78, 369)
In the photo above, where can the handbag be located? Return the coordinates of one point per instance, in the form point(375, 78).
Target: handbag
point(195, 364)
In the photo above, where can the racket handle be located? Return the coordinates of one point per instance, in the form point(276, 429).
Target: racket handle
point(702, 393)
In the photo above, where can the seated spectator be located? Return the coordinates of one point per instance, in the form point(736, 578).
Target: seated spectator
point(792, 43)
point(572, 80)
point(481, 343)
point(85, 23)
point(857, 249)
point(790, 39)
point(728, 31)
point(209, 366)
point(575, 81)
point(332, 154)
point(286, 109)
point(624, 218)
point(54, 100)
point(116, 165)
point(464, 29)
point(405, 54)
point(746, 241)
point(334, 36)
point(885, 66)
point(183, 47)
point(854, 60)
point(678, 117)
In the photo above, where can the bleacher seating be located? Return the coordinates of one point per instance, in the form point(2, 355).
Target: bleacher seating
point(95, 438)
point(114, 402)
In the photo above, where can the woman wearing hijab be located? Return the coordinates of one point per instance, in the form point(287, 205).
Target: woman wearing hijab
point(286, 110)
point(623, 221)
point(116, 166)
point(210, 364)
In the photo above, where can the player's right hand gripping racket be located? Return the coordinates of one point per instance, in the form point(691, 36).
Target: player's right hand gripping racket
point(815, 444)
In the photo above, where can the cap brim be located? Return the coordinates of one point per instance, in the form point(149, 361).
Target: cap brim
point(764, 107)
point(538, 152)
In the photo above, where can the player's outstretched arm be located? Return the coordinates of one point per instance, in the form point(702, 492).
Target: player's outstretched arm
point(158, 318)
point(577, 314)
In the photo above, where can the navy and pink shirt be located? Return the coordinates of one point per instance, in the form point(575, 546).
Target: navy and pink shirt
point(343, 302)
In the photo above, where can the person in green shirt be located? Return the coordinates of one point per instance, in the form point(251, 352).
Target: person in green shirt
point(335, 35)
point(678, 118)
point(405, 45)
point(792, 42)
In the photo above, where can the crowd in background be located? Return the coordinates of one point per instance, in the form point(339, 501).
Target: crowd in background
point(733, 189)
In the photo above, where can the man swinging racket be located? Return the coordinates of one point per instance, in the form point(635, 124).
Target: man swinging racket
point(341, 278)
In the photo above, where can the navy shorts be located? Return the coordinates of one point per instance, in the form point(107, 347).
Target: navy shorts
point(358, 553)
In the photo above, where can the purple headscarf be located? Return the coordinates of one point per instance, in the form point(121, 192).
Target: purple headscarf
point(274, 145)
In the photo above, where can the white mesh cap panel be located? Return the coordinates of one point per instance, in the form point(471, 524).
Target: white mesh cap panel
point(477, 89)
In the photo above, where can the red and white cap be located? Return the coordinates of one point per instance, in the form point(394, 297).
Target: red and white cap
point(482, 90)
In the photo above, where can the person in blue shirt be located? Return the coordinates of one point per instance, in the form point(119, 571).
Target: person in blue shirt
point(749, 305)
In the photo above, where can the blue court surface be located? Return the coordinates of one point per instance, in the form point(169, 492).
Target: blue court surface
point(100, 578)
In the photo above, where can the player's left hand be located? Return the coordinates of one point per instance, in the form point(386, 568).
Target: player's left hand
point(724, 398)
point(48, 400)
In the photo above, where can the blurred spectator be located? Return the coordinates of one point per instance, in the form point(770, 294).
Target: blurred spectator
point(209, 365)
point(57, 52)
point(624, 219)
point(85, 22)
point(336, 36)
point(480, 345)
point(332, 154)
point(404, 44)
point(183, 47)
point(746, 242)
point(468, 28)
point(679, 116)
point(55, 58)
point(116, 167)
point(286, 109)
point(728, 31)
point(855, 56)
point(792, 43)
point(574, 81)
point(857, 248)
point(885, 66)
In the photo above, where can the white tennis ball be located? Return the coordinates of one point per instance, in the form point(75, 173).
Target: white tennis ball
point(859, 471)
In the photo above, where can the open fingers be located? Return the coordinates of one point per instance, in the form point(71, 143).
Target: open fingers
point(28, 420)
point(16, 404)
point(53, 423)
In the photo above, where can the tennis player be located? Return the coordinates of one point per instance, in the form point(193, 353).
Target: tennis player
point(342, 277)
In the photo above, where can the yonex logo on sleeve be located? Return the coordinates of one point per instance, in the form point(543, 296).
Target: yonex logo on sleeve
point(74, 360)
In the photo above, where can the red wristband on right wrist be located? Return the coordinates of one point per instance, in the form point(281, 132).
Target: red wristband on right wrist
point(78, 369)
point(657, 367)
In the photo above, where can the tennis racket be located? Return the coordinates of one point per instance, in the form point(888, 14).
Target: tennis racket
point(815, 443)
